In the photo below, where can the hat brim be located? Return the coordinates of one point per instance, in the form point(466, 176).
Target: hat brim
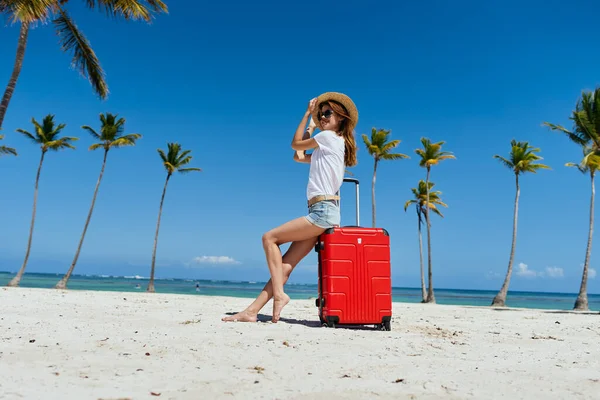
point(340, 98)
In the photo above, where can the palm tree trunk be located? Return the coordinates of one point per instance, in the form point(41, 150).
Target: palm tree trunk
point(423, 290)
point(162, 199)
point(582, 299)
point(500, 299)
point(17, 279)
point(430, 295)
point(373, 191)
point(62, 284)
point(12, 83)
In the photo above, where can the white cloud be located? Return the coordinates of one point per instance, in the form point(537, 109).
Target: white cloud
point(523, 270)
point(550, 272)
point(591, 273)
point(221, 260)
point(555, 272)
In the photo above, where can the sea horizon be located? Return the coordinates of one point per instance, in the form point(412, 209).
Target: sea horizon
point(249, 289)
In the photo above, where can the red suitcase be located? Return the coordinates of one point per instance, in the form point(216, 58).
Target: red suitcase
point(355, 286)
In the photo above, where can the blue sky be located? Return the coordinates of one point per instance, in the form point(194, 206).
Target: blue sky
point(231, 81)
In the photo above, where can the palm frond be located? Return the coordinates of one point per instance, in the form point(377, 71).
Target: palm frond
point(586, 129)
point(91, 131)
point(507, 163)
point(122, 142)
point(573, 136)
point(6, 149)
point(389, 145)
point(393, 156)
point(28, 135)
point(132, 137)
point(183, 156)
point(56, 131)
point(68, 139)
point(130, 9)
point(446, 157)
point(96, 146)
point(370, 147)
point(434, 202)
point(533, 168)
point(436, 211)
point(186, 170)
point(84, 59)
point(28, 11)
point(161, 153)
point(185, 161)
point(39, 130)
point(60, 144)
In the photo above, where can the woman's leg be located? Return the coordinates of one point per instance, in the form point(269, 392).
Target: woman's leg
point(297, 251)
point(294, 230)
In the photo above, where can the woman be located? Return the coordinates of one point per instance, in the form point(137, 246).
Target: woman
point(334, 149)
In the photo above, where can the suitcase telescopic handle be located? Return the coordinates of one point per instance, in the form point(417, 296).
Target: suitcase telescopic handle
point(355, 181)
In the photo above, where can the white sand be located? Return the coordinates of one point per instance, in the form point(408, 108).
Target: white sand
point(94, 345)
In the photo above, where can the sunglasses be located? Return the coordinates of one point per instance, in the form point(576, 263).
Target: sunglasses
point(327, 113)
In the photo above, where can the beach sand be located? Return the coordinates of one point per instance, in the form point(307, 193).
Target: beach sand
point(112, 345)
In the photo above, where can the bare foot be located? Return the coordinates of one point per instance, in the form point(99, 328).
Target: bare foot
point(278, 304)
point(243, 316)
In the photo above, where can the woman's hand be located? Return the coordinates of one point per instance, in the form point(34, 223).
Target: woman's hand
point(312, 104)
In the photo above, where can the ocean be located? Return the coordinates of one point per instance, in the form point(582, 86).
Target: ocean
point(538, 300)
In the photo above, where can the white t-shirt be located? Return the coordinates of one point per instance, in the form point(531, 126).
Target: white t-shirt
point(326, 165)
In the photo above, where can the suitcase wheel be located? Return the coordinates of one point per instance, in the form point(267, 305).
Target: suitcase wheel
point(386, 325)
point(329, 325)
point(331, 322)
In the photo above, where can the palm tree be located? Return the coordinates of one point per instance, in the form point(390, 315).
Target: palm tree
point(420, 202)
point(586, 134)
point(590, 164)
point(84, 60)
point(47, 137)
point(431, 154)
point(173, 161)
point(110, 136)
point(7, 150)
point(522, 160)
point(380, 148)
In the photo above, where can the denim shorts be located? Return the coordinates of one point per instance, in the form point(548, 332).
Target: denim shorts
point(324, 214)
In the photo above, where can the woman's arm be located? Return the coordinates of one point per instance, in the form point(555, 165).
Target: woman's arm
point(302, 158)
point(300, 155)
point(299, 142)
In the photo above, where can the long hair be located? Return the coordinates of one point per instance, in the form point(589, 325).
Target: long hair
point(346, 130)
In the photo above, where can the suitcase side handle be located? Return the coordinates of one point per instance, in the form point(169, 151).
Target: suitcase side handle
point(355, 181)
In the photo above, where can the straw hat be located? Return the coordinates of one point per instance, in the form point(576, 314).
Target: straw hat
point(340, 98)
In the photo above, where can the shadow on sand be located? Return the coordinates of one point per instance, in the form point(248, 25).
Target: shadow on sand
point(546, 311)
point(310, 323)
point(572, 312)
